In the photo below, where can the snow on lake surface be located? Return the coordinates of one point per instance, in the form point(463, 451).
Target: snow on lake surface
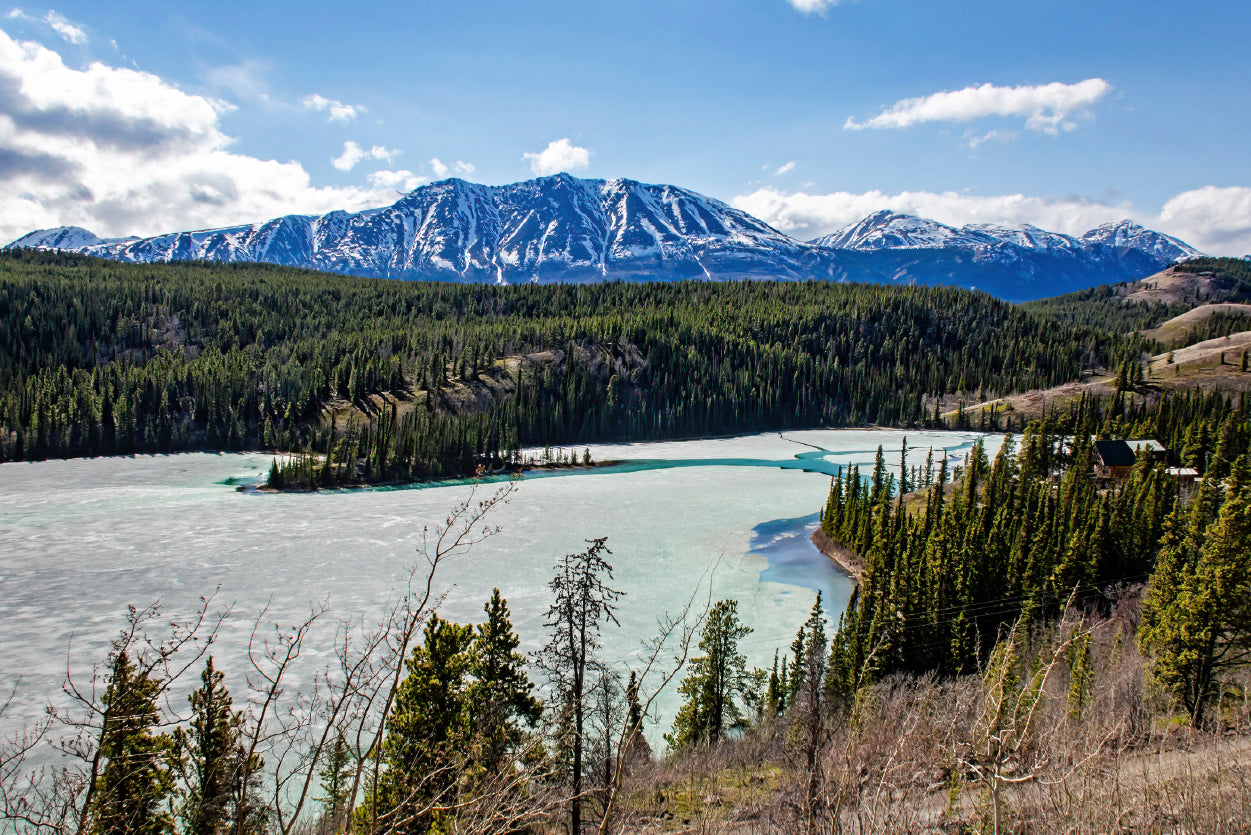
point(82, 539)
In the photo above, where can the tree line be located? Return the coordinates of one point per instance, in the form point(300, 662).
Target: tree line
point(395, 381)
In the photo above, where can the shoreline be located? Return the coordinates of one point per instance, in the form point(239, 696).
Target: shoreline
point(845, 559)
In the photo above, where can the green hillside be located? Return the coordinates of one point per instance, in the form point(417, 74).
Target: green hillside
point(398, 381)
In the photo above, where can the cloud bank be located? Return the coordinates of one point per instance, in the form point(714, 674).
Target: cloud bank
point(123, 152)
point(1050, 108)
point(561, 155)
point(1212, 219)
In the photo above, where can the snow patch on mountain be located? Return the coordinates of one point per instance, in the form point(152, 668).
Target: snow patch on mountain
point(562, 228)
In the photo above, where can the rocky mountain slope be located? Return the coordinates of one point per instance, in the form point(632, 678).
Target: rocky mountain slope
point(562, 228)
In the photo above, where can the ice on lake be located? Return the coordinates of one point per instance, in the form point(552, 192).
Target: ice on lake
point(82, 539)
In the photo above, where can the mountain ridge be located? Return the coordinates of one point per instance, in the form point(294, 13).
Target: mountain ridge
point(562, 228)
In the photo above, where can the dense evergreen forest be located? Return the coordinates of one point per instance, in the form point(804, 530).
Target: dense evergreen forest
point(98, 357)
point(1019, 537)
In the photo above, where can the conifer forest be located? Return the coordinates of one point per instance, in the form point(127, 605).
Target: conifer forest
point(1032, 640)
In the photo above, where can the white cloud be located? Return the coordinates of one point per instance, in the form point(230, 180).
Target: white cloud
point(402, 180)
point(1045, 107)
point(122, 152)
point(1000, 136)
point(59, 23)
point(561, 155)
point(337, 110)
point(1211, 218)
point(785, 168)
point(353, 153)
point(244, 80)
point(442, 169)
point(65, 27)
point(811, 6)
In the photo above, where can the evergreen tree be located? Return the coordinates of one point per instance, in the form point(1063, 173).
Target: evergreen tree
point(583, 603)
point(716, 681)
point(426, 740)
point(210, 757)
point(336, 784)
point(1200, 614)
point(499, 699)
point(132, 790)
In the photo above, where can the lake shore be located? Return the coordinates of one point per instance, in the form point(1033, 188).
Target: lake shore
point(846, 560)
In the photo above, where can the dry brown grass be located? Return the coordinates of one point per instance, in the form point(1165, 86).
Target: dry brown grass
point(911, 758)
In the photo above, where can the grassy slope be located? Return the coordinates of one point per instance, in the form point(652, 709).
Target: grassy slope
point(1168, 307)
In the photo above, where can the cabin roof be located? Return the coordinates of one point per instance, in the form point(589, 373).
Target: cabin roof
point(1114, 453)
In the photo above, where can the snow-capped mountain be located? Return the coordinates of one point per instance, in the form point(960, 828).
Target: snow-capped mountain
point(1127, 235)
point(562, 228)
point(552, 228)
point(892, 230)
point(1014, 261)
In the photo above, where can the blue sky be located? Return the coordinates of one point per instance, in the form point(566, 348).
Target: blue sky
point(143, 117)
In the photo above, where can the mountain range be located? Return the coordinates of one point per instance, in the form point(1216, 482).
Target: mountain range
point(562, 228)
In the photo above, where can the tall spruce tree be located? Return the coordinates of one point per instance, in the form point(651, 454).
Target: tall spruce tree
point(500, 698)
point(716, 681)
point(425, 746)
point(1197, 618)
point(209, 756)
point(133, 788)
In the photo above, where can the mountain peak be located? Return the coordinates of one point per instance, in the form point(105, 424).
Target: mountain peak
point(1127, 234)
point(58, 237)
point(886, 229)
point(563, 228)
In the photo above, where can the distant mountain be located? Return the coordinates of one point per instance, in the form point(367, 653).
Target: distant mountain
point(556, 228)
point(1014, 261)
point(562, 228)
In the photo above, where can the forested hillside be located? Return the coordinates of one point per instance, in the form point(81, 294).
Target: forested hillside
point(1141, 305)
point(1018, 537)
point(434, 379)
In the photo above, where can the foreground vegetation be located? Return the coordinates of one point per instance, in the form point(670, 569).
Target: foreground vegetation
point(1027, 648)
point(394, 381)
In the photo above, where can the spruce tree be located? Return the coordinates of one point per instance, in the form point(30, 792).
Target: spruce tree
point(132, 789)
point(500, 700)
point(209, 756)
point(426, 737)
point(583, 603)
point(716, 681)
point(1197, 617)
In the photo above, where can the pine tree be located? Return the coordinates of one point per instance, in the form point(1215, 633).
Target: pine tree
point(584, 602)
point(336, 784)
point(500, 699)
point(1199, 622)
point(425, 742)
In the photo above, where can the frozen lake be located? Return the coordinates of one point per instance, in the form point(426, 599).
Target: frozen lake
point(81, 539)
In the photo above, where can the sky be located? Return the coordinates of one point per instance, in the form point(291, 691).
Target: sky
point(136, 118)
